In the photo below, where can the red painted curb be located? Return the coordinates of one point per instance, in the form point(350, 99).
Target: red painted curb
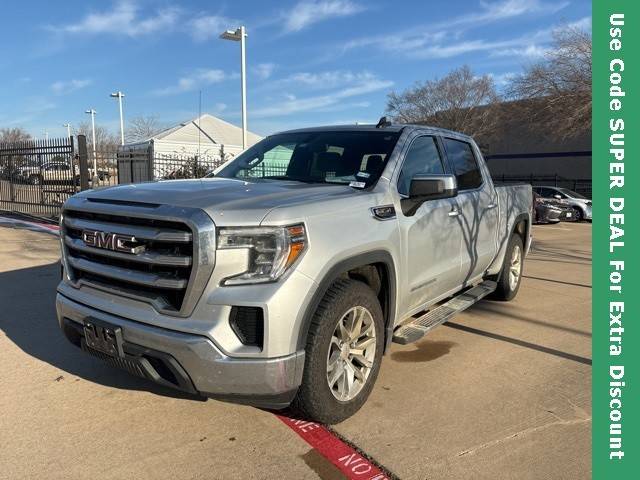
point(348, 460)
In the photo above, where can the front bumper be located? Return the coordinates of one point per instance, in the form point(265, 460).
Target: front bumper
point(588, 213)
point(195, 363)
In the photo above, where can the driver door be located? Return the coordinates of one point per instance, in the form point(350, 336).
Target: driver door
point(431, 235)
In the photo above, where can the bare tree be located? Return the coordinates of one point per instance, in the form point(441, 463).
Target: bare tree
point(142, 128)
point(105, 139)
point(11, 135)
point(560, 84)
point(459, 101)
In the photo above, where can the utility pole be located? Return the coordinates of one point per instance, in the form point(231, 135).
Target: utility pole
point(68, 125)
point(119, 95)
point(240, 35)
point(92, 112)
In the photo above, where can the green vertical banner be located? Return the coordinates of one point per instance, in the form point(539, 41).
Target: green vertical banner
point(616, 246)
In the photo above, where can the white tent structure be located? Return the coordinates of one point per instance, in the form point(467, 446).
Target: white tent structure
point(204, 143)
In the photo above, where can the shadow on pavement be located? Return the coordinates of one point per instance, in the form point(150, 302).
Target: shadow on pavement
point(561, 282)
point(424, 351)
point(520, 343)
point(499, 308)
point(28, 319)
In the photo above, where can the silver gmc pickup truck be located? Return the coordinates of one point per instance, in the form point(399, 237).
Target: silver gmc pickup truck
point(283, 277)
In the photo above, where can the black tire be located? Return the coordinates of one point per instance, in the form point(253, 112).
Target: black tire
point(314, 399)
point(506, 290)
point(578, 214)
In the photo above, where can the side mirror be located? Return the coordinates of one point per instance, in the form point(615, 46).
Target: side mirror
point(428, 187)
point(557, 197)
point(433, 187)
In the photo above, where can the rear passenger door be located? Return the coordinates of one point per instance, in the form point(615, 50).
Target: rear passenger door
point(431, 236)
point(477, 208)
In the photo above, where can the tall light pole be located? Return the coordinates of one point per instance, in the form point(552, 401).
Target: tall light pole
point(46, 135)
point(68, 125)
point(92, 112)
point(239, 35)
point(119, 95)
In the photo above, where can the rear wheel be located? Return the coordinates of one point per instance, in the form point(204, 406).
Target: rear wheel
point(343, 353)
point(511, 273)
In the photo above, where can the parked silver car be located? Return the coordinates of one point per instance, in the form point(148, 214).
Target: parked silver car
point(581, 205)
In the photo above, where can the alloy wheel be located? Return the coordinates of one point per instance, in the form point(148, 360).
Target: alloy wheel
point(515, 267)
point(351, 353)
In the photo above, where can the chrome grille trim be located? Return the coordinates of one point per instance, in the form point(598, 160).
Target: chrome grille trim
point(127, 275)
point(138, 231)
point(200, 264)
point(145, 257)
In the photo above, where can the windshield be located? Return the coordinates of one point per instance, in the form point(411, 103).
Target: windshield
point(571, 193)
point(316, 157)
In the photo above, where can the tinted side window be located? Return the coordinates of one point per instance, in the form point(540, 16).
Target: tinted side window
point(423, 157)
point(547, 192)
point(464, 164)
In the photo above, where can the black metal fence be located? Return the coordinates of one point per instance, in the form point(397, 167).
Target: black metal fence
point(37, 176)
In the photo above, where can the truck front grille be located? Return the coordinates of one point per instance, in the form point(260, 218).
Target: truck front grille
point(157, 264)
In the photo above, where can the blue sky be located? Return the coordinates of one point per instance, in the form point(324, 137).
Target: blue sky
point(309, 62)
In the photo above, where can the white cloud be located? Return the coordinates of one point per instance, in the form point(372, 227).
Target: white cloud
point(438, 40)
point(219, 108)
point(353, 85)
point(209, 26)
point(264, 70)
point(63, 87)
point(581, 24)
point(531, 51)
point(329, 79)
point(502, 79)
point(308, 12)
point(491, 12)
point(527, 46)
point(124, 19)
point(198, 79)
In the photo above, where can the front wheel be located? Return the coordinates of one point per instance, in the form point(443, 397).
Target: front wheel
point(343, 353)
point(511, 273)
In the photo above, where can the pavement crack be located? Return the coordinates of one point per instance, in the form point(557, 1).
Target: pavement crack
point(521, 434)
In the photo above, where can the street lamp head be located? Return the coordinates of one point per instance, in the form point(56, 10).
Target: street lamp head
point(90, 112)
point(234, 35)
point(117, 94)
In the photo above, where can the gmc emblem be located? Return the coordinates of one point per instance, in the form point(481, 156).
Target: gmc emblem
point(111, 241)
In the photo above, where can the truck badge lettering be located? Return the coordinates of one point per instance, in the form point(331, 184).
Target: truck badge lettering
point(111, 241)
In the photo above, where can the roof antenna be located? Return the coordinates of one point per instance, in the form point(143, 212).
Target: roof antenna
point(383, 122)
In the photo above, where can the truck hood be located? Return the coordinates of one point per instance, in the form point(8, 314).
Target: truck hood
point(227, 201)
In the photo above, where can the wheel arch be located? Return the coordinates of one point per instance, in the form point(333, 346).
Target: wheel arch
point(359, 267)
point(522, 226)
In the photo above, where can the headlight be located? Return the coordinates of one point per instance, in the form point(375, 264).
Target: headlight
point(272, 250)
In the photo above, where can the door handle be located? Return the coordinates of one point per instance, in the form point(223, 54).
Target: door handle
point(454, 212)
point(492, 205)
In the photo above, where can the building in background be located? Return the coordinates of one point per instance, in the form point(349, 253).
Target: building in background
point(206, 136)
point(519, 149)
point(189, 149)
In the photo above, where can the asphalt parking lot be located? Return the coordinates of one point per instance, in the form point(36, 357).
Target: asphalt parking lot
point(504, 391)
